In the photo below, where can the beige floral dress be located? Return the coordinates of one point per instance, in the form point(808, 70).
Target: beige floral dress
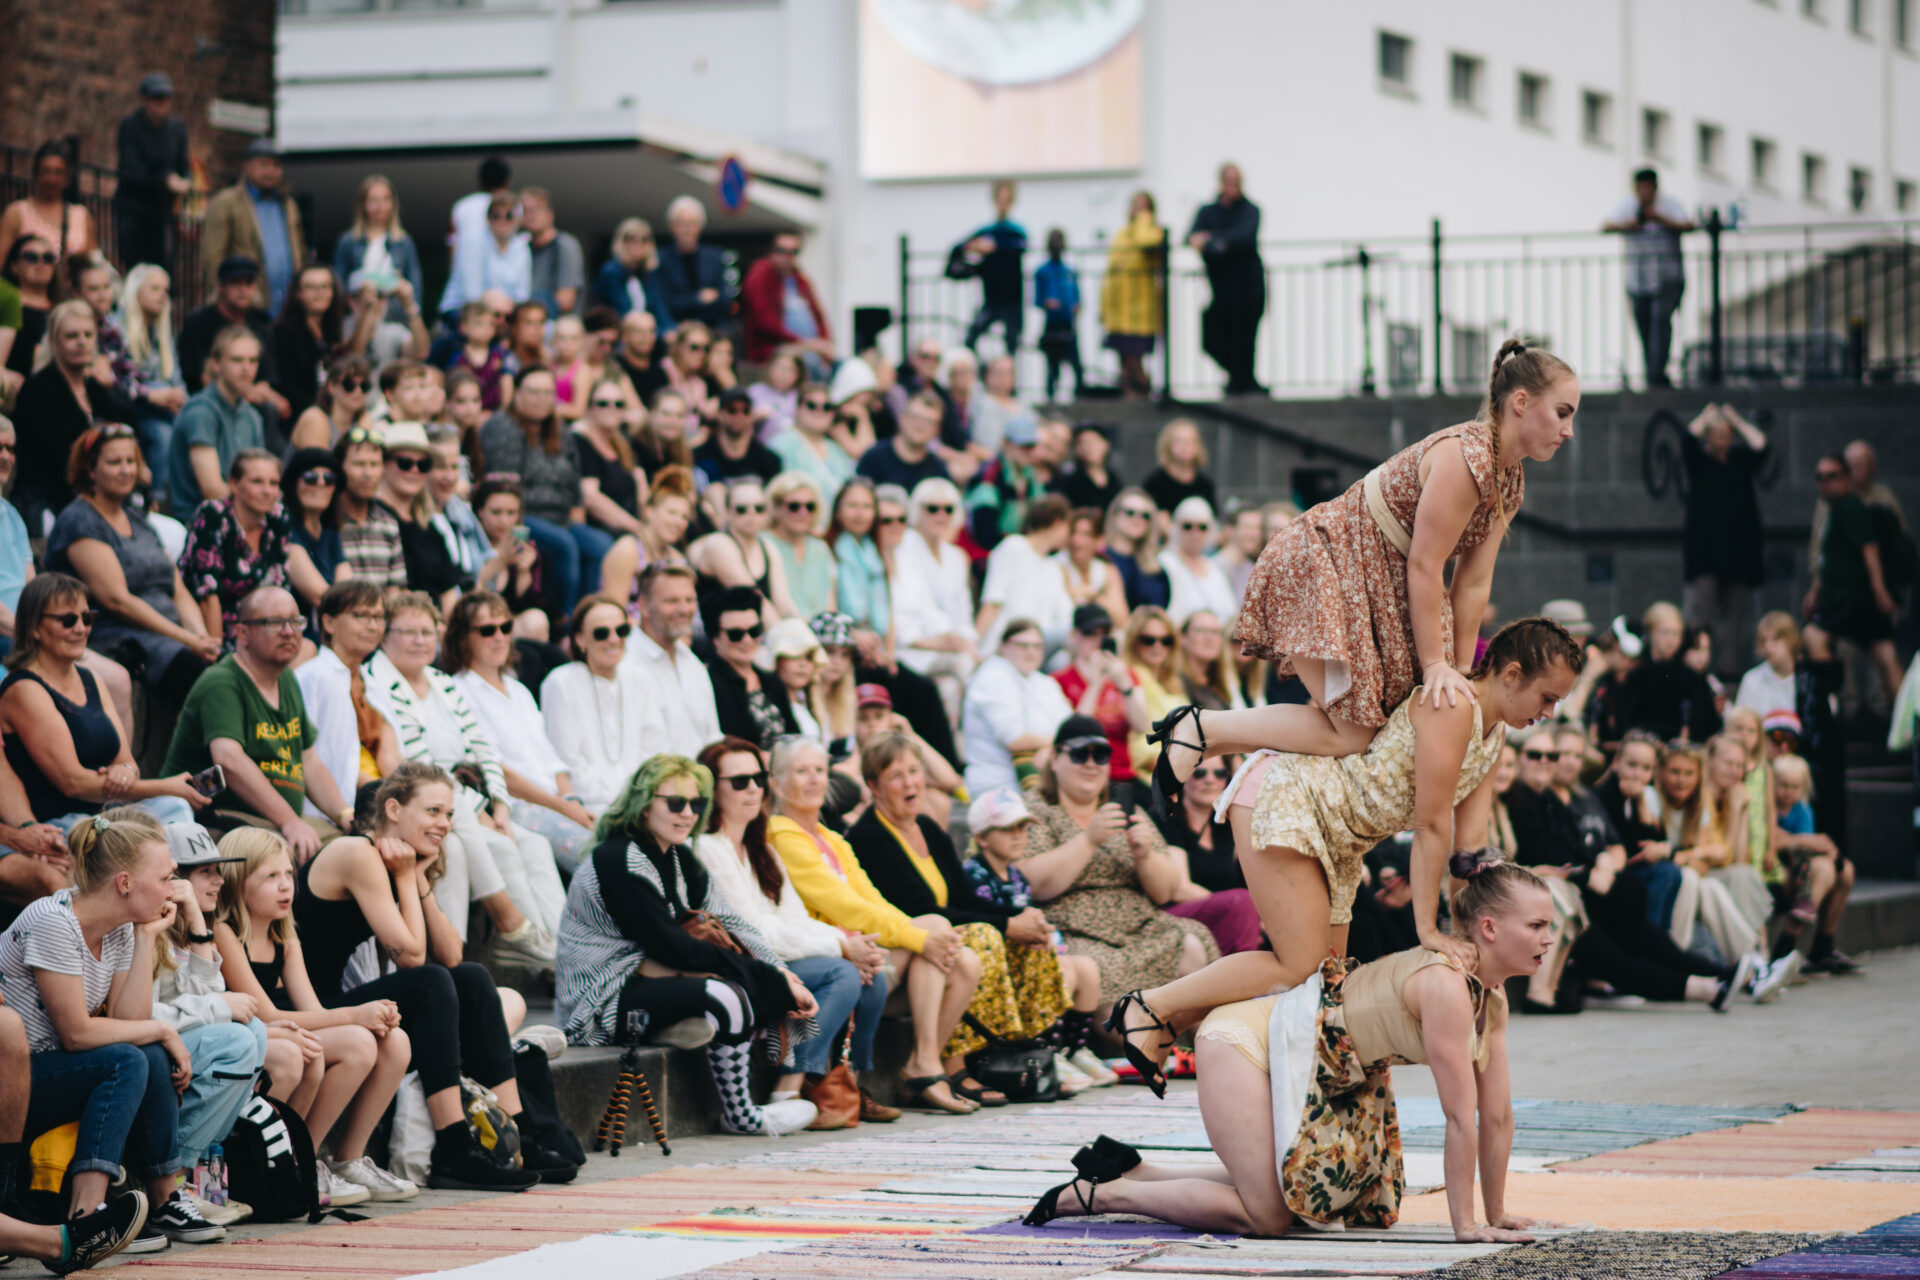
point(1330, 586)
point(1107, 916)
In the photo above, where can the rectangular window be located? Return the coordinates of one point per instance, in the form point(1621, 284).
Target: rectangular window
point(1904, 196)
point(1859, 16)
point(1656, 127)
point(1596, 118)
point(1763, 164)
point(1813, 178)
point(1533, 100)
point(1903, 23)
point(1396, 61)
point(1710, 146)
point(1859, 189)
point(1813, 9)
point(1467, 74)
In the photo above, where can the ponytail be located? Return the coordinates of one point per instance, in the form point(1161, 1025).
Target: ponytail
point(1489, 884)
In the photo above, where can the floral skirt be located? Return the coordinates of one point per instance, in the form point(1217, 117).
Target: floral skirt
point(1022, 991)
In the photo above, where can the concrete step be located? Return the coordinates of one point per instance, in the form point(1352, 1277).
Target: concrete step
point(1880, 914)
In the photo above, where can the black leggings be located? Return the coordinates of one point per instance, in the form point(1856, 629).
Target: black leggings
point(651, 1003)
point(1656, 969)
point(453, 1018)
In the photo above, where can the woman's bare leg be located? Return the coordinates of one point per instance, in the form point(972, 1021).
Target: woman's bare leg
point(1303, 730)
point(370, 1103)
point(927, 996)
point(351, 1053)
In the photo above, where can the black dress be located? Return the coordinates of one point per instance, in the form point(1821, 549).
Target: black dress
point(95, 745)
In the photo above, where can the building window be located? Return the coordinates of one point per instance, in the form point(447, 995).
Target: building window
point(1903, 23)
point(1813, 178)
point(1396, 61)
point(1763, 164)
point(1859, 17)
point(1710, 147)
point(1655, 128)
point(1904, 196)
point(1814, 9)
point(1533, 100)
point(1468, 73)
point(1596, 118)
point(1859, 189)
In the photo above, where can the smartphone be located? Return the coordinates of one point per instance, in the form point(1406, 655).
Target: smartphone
point(1122, 795)
point(1110, 645)
point(521, 533)
point(209, 782)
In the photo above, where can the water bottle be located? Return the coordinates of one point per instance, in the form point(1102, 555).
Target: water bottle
point(216, 1183)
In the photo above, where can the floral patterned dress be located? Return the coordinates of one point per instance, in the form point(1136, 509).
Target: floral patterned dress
point(218, 561)
point(1330, 586)
point(1106, 915)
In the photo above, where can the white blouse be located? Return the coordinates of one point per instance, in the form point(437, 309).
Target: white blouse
point(1192, 592)
point(602, 729)
point(930, 596)
point(788, 929)
point(512, 719)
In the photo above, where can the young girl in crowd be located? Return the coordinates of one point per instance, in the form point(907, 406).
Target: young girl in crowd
point(363, 1048)
point(482, 357)
point(1690, 811)
point(1819, 880)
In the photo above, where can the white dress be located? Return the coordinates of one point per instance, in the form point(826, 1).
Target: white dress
point(930, 598)
point(603, 729)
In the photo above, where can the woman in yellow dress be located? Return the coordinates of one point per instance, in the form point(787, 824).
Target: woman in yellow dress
point(1132, 300)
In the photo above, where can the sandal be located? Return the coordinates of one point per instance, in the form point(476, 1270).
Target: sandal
point(1047, 1207)
point(965, 1086)
point(919, 1099)
point(1150, 1071)
point(1106, 1159)
point(1167, 787)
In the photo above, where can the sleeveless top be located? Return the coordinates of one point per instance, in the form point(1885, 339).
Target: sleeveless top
point(330, 932)
point(95, 744)
point(1500, 490)
point(1380, 1023)
point(267, 973)
point(705, 584)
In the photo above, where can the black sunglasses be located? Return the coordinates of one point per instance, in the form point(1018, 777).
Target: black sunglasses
point(816, 405)
point(1136, 513)
point(1092, 753)
point(751, 509)
point(352, 384)
point(680, 804)
point(607, 404)
point(737, 634)
point(488, 630)
point(319, 477)
point(1828, 475)
point(82, 618)
point(1195, 526)
point(741, 781)
point(624, 630)
point(39, 259)
point(890, 520)
point(796, 506)
point(1213, 771)
point(1532, 754)
point(938, 509)
point(411, 462)
point(1155, 642)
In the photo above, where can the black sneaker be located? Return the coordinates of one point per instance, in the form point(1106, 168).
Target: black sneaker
point(98, 1236)
point(1720, 998)
point(1834, 962)
point(179, 1219)
point(467, 1167)
point(549, 1165)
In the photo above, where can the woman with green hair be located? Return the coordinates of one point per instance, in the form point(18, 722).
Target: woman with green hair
point(631, 967)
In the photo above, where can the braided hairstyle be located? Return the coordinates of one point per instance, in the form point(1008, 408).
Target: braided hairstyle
point(1488, 884)
point(1517, 367)
point(1536, 644)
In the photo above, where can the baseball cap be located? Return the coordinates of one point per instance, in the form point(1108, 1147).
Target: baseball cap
point(1570, 614)
point(263, 147)
point(156, 84)
point(999, 808)
point(1078, 731)
point(733, 396)
point(237, 266)
point(873, 695)
point(1089, 618)
point(192, 846)
point(1022, 430)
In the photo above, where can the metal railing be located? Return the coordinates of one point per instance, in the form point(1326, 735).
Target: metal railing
point(1833, 303)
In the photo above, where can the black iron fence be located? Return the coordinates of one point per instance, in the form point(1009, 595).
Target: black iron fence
point(1793, 305)
point(92, 187)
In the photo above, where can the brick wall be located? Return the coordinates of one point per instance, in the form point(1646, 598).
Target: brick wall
point(73, 66)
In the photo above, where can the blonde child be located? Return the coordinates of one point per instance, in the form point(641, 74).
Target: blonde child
point(1818, 880)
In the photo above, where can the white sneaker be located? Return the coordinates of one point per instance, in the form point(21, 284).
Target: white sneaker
point(1092, 1067)
point(222, 1215)
point(1072, 1079)
point(551, 1041)
point(336, 1192)
point(529, 945)
point(1776, 976)
point(381, 1187)
point(780, 1118)
point(1747, 974)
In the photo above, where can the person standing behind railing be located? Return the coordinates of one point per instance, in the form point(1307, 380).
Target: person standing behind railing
point(1134, 293)
point(1226, 235)
point(153, 170)
point(993, 253)
point(1656, 277)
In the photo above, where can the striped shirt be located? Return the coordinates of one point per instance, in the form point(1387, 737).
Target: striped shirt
point(47, 936)
point(372, 547)
point(412, 718)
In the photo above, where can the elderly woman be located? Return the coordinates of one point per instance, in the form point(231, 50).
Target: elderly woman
point(1011, 711)
point(510, 869)
point(1133, 548)
point(912, 862)
point(596, 708)
point(806, 561)
point(928, 958)
point(932, 607)
point(355, 742)
point(480, 653)
point(63, 740)
point(1198, 582)
point(1104, 873)
point(628, 969)
point(242, 542)
point(146, 610)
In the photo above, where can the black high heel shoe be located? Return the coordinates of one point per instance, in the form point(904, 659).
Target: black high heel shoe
point(1105, 1160)
point(1167, 788)
point(1150, 1071)
point(1047, 1207)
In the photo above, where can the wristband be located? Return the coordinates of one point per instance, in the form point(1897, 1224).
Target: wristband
point(199, 937)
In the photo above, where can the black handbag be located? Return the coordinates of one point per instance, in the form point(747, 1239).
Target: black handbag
point(1021, 1069)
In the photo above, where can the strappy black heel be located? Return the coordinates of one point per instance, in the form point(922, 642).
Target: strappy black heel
point(1106, 1160)
point(1167, 788)
point(1047, 1207)
point(1150, 1071)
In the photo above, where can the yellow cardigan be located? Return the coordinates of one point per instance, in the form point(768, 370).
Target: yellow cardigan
point(1130, 298)
point(852, 904)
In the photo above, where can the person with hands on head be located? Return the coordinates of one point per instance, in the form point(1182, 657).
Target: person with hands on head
point(119, 1074)
point(1354, 596)
point(1303, 823)
point(650, 949)
point(247, 716)
point(927, 957)
point(1336, 1162)
point(380, 885)
point(64, 741)
point(362, 1047)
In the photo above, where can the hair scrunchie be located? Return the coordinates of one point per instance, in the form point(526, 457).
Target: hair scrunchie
point(1465, 864)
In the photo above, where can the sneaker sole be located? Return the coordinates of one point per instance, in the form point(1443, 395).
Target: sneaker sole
point(441, 1183)
point(194, 1235)
point(161, 1245)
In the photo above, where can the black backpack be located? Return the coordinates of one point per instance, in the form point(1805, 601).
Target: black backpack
point(270, 1163)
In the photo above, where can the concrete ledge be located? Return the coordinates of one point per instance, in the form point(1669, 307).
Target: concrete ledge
point(1880, 915)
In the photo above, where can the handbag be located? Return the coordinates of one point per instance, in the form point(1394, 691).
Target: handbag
point(704, 928)
point(837, 1096)
point(1021, 1069)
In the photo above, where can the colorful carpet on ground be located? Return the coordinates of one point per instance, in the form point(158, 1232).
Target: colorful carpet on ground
point(1673, 1192)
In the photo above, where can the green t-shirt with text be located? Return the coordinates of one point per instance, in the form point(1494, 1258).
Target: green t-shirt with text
point(225, 703)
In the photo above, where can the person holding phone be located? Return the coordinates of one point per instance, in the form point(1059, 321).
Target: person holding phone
point(1100, 685)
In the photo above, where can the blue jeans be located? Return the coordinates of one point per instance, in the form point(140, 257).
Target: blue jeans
point(836, 984)
point(1662, 880)
point(155, 433)
point(226, 1056)
point(571, 554)
point(165, 808)
point(122, 1095)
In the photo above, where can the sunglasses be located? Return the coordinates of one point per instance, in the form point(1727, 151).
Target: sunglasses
point(938, 509)
point(1540, 755)
point(1195, 526)
point(488, 630)
point(1092, 753)
point(501, 215)
point(1828, 475)
point(351, 384)
point(1218, 771)
point(624, 630)
point(82, 618)
point(680, 804)
point(606, 404)
point(886, 520)
point(696, 346)
point(319, 479)
point(412, 462)
point(751, 509)
point(796, 506)
point(816, 405)
point(742, 781)
point(39, 259)
point(360, 435)
point(738, 634)
point(1135, 513)
point(1155, 642)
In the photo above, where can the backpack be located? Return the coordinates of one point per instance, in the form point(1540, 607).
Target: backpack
point(1021, 1069)
point(492, 1127)
point(1899, 559)
point(270, 1163)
